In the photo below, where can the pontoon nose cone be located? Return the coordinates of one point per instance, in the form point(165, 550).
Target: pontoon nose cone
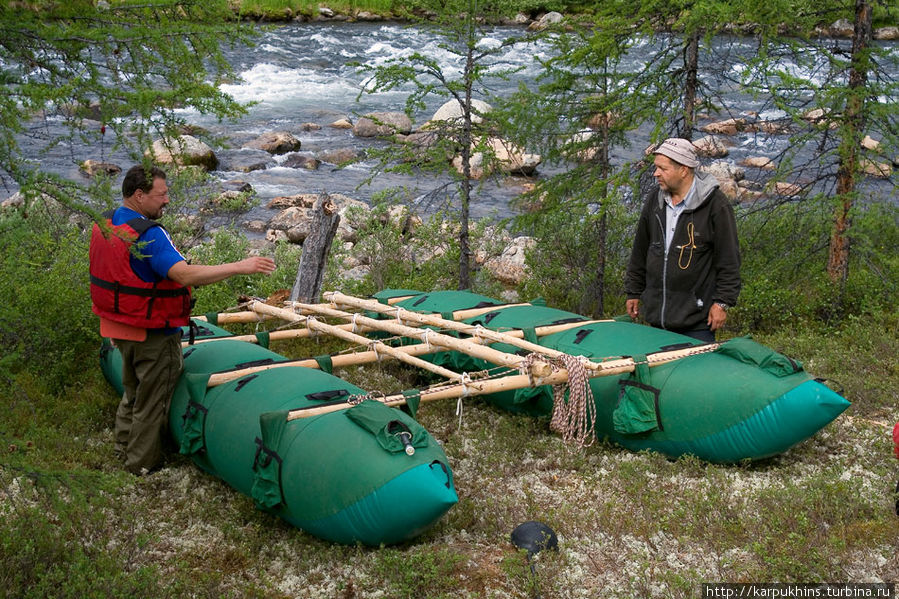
point(534, 537)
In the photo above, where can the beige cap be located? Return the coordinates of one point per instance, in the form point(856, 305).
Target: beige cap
point(679, 150)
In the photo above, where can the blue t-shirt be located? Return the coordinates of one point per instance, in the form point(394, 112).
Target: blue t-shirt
point(158, 253)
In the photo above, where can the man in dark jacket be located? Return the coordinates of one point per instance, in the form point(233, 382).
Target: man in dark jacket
point(685, 262)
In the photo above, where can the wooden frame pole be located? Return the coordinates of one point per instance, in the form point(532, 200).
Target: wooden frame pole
point(512, 382)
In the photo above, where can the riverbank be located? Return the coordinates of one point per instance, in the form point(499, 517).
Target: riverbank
point(515, 13)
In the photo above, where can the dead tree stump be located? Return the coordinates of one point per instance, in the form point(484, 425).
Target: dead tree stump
point(308, 285)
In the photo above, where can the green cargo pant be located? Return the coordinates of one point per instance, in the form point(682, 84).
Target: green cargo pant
point(150, 371)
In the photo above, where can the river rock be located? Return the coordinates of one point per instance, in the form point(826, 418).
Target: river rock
point(310, 127)
point(275, 235)
point(819, 115)
point(301, 161)
point(290, 218)
point(340, 156)
point(841, 28)
point(421, 142)
point(236, 185)
point(890, 33)
point(452, 111)
point(368, 16)
point(510, 159)
point(510, 267)
point(341, 124)
point(493, 241)
point(325, 12)
point(92, 167)
point(772, 127)
point(730, 189)
point(550, 18)
point(90, 111)
point(299, 232)
point(519, 19)
point(725, 127)
point(300, 200)
point(255, 226)
point(245, 160)
point(578, 148)
point(871, 144)
point(513, 159)
point(762, 162)
point(184, 150)
point(711, 147)
point(275, 142)
point(723, 170)
point(880, 170)
point(786, 189)
point(357, 273)
point(381, 124)
point(16, 200)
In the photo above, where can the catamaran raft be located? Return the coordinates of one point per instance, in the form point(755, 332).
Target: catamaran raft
point(346, 466)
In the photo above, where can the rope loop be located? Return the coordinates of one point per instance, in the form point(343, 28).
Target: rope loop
point(399, 315)
point(373, 346)
point(426, 338)
point(312, 332)
point(575, 417)
point(355, 326)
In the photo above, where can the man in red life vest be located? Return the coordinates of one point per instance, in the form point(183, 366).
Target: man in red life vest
point(140, 289)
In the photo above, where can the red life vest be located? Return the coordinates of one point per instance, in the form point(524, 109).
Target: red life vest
point(119, 294)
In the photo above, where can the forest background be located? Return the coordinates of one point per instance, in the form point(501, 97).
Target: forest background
point(820, 269)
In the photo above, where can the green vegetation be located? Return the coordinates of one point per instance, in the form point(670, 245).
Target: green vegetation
point(73, 524)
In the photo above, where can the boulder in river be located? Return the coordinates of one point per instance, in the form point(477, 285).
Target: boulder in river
point(340, 156)
point(301, 161)
point(245, 160)
point(275, 142)
point(343, 123)
point(725, 127)
point(184, 150)
point(452, 111)
point(711, 147)
point(92, 168)
point(381, 124)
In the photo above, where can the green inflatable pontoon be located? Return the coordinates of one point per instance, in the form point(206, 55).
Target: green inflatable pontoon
point(345, 477)
point(743, 401)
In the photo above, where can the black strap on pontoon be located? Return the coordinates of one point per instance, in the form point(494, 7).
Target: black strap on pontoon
point(189, 352)
point(581, 335)
point(327, 395)
point(270, 454)
point(243, 382)
point(490, 316)
point(420, 300)
point(675, 346)
point(566, 320)
point(445, 471)
point(252, 363)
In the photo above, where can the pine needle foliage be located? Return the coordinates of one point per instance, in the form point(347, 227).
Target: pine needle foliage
point(108, 75)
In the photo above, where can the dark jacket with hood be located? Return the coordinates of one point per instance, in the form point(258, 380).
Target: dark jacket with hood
point(702, 265)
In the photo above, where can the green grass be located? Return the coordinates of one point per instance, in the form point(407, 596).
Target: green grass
point(72, 524)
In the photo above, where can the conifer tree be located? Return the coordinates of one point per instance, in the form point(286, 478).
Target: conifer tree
point(105, 75)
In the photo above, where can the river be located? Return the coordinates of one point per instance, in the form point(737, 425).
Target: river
point(299, 73)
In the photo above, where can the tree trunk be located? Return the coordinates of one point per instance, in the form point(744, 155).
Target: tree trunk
point(308, 285)
point(464, 241)
point(851, 132)
point(691, 84)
